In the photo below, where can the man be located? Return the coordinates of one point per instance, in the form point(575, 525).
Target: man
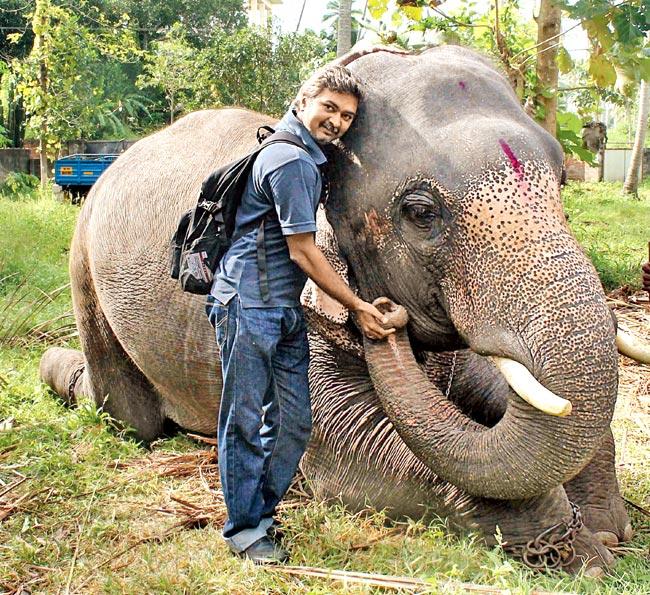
point(265, 415)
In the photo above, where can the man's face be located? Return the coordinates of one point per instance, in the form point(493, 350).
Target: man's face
point(328, 115)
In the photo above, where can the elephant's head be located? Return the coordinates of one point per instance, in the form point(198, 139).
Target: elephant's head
point(447, 201)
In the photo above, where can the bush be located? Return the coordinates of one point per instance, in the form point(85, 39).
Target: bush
point(19, 185)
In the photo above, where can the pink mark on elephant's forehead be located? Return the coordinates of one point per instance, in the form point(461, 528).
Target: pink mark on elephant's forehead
point(462, 85)
point(377, 226)
point(517, 166)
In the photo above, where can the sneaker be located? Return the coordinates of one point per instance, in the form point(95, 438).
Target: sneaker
point(264, 551)
point(275, 532)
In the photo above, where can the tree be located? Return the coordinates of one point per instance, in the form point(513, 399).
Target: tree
point(13, 19)
point(331, 20)
point(153, 19)
point(344, 38)
point(547, 69)
point(57, 81)
point(171, 67)
point(631, 184)
point(40, 25)
point(257, 68)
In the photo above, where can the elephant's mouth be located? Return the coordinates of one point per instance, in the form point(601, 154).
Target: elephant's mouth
point(542, 440)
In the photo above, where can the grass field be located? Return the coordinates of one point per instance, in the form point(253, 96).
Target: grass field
point(85, 509)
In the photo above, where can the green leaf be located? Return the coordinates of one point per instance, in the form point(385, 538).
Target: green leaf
point(564, 61)
point(602, 70)
point(377, 8)
point(628, 24)
point(569, 121)
point(598, 31)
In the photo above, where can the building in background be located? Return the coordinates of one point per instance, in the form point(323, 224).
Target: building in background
point(259, 11)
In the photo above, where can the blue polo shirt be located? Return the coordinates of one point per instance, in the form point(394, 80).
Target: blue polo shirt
point(285, 186)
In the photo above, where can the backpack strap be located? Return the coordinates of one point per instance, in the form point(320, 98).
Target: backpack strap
point(280, 136)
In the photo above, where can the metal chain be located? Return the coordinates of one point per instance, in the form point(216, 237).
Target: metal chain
point(73, 382)
point(553, 547)
point(451, 374)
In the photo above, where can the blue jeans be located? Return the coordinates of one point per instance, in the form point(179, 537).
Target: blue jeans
point(265, 414)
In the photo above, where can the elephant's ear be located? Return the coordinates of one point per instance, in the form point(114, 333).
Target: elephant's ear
point(313, 297)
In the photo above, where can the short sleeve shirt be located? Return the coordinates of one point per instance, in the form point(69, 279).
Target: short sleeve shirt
point(284, 187)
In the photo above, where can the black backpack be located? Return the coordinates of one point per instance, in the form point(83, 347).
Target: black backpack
point(204, 233)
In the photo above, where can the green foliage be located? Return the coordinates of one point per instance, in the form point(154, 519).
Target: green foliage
point(18, 184)
point(58, 81)
point(34, 241)
point(13, 18)
point(259, 69)
point(569, 127)
point(11, 112)
point(331, 20)
point(618, 33)
point(171, 66)
point(612, 229)
point(153, 19)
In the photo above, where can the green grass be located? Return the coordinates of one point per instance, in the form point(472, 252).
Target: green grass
point(613, 229)
point(91, 492)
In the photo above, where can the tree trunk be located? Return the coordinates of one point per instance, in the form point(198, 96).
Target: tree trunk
point(631, 185)
point(548, 27)
point(39, 25)
point(344, 42)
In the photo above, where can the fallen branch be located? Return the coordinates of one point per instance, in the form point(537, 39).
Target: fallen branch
point(204, 439)
point(637, 507)
point(12, 486)
point(392, 582)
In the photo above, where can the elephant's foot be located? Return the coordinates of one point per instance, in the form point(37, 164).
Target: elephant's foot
point(63, 371)
point(595, 490)
point(590, 555)
point(608, 521)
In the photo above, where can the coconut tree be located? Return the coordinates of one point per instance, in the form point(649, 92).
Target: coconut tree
point(631, 184)
point(344, 37)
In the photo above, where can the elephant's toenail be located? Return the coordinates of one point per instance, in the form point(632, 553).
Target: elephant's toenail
point(595, 572)
point(628, 533)
point(607, 538)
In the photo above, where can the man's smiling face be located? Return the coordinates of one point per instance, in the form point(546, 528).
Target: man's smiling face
point(328, 115)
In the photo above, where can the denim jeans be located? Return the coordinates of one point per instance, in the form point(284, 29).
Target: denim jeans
point(265, 414)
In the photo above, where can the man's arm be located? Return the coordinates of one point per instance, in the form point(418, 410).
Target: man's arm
point(306, 254)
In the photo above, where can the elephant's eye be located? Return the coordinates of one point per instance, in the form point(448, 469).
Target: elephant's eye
point(422, 214)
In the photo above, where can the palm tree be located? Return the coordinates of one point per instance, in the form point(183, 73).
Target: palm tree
point(344, 38)
point(631, 185)
point(331, 17)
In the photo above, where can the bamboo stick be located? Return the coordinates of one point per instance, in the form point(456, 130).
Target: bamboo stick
point(392, 582)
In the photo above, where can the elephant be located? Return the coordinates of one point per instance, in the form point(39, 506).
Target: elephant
point(594, 136)
point(444, 198)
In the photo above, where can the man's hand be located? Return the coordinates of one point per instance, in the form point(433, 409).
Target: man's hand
point(371, 321)
point(304, 252)
point(645, 276)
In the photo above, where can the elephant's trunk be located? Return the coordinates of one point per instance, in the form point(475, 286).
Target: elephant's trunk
point(528, 452)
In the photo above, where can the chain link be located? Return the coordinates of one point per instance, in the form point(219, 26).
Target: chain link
point(451, 374)
point(73, 382)
point(553, 547)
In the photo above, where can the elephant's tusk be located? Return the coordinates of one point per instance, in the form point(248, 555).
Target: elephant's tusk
point(629, 345)
point(529, 389)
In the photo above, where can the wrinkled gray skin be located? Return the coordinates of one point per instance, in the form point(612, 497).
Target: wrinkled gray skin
point(594, 136)
point(445, 198)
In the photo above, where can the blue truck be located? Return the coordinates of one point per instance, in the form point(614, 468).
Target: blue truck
point(76, 174)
